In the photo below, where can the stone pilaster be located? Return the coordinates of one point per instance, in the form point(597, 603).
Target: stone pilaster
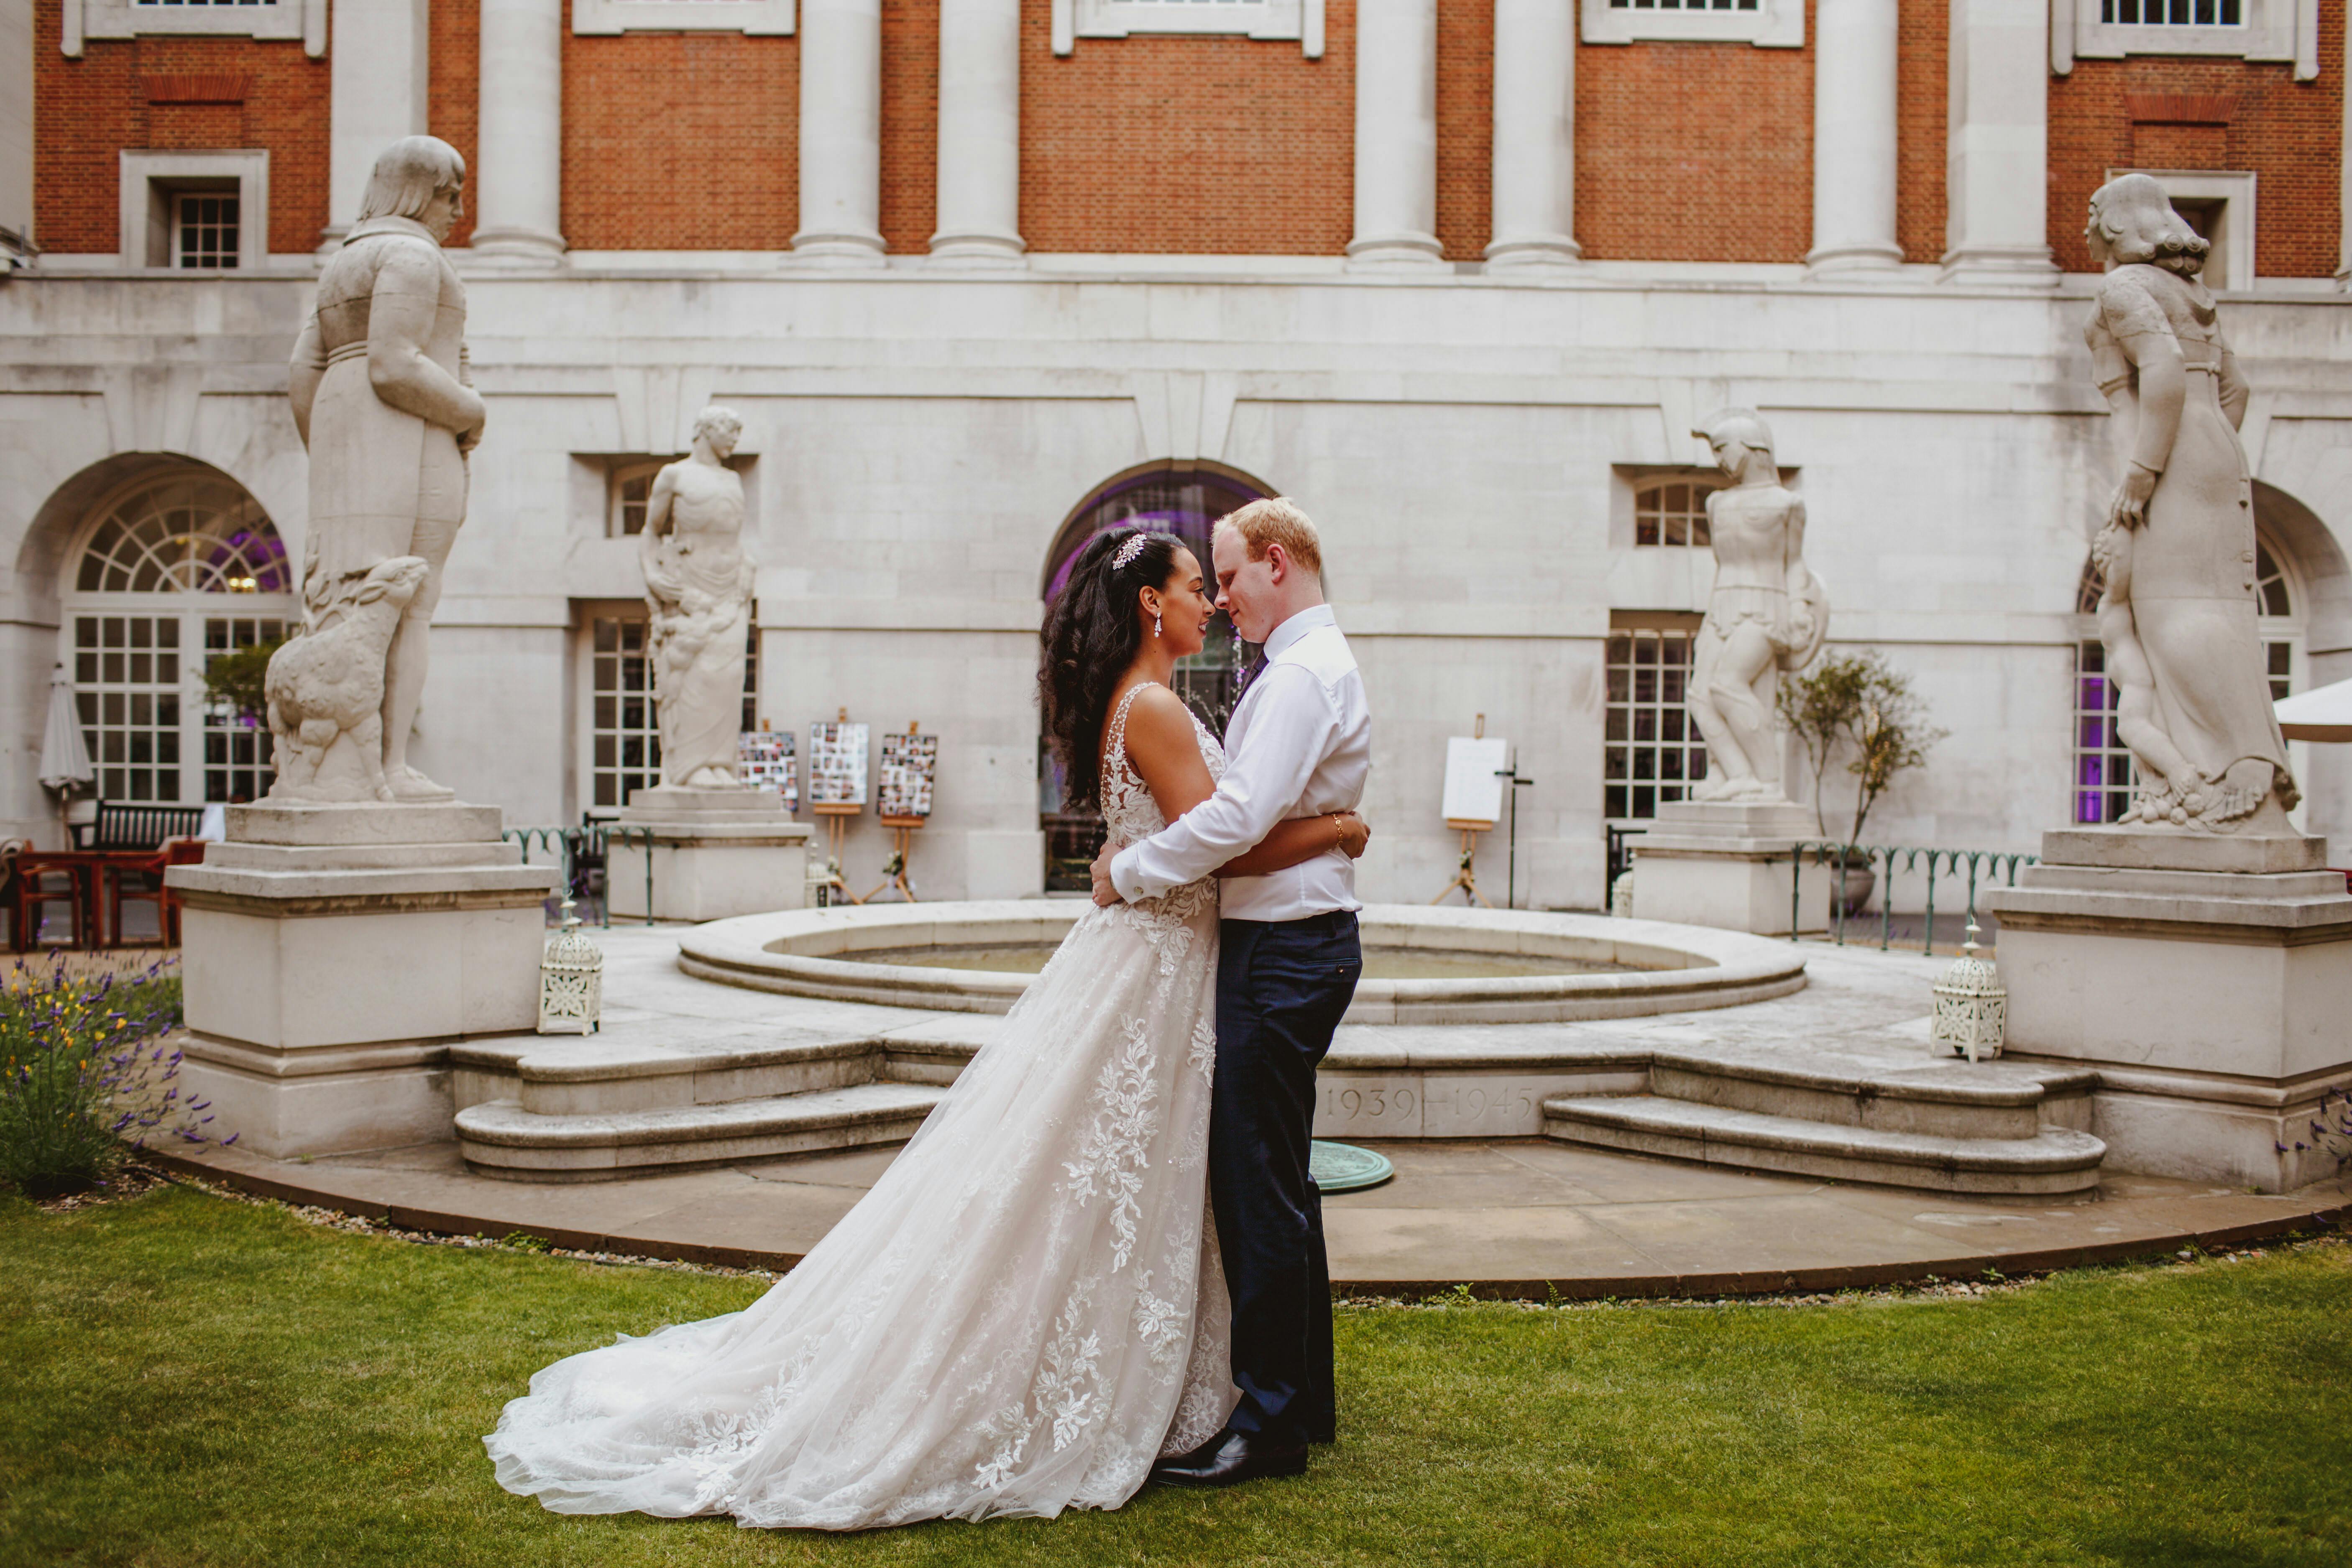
point(979, 135)
point(375, 94)
point(1853, 137)
point(517, 188)
point(841, 132)
point(1997, 146)
point(1396, 135)
point(1534, 179)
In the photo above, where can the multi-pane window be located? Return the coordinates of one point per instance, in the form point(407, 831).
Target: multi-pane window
point(625, 730)
point(2170, 12)
point(630, 488)
point(625, 749)
point(1686, 4)
point(205, 228)
point(2103, 776)
point(237, 758)
point(1673, 512)
point(127, 687)
point(1651, 752)
point(177, 572)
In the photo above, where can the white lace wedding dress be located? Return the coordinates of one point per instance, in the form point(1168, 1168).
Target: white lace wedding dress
point(1018, 1318)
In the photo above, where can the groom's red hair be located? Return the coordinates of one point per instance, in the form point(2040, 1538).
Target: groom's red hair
point(1264, 523)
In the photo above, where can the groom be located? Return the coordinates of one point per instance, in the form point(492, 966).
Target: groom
point(1300, 745)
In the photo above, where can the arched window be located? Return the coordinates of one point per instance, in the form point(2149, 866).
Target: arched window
point(2103, 764)
point(175, 571)
point(1185, 501)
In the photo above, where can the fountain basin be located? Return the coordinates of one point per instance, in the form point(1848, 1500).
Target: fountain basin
point(1424, 965)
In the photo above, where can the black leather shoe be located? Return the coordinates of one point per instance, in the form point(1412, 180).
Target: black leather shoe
point(1229, 1458)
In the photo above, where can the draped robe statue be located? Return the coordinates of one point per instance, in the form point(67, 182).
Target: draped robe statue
point(2178, 616)
point(698, 581)
point(383, 400)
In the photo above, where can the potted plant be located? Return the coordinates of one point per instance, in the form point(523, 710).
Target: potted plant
point(1860, 707)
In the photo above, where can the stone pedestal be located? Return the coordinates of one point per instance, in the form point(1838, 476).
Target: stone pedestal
point(330, 953)
point(716, 853)
point(1728, 865)
point(2209, 981)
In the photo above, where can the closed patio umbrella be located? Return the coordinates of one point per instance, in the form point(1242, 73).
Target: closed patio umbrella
point(2325, 714)
point(65, 761)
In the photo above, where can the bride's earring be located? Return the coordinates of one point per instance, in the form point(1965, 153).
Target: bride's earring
point(1155, 623)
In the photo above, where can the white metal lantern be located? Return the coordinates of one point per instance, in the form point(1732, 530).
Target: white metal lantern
point(1971, 1005)
point(570, 981)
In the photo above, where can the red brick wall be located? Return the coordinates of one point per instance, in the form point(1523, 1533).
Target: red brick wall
point(910, 124)
point(680, 141)
point(1188, 145)
point(1465, 126)
point(1922, 87)
point(2289, 134)
point(1694, 151)
point(453, 97)
point(85, 110)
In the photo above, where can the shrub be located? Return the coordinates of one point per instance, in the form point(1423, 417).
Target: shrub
point(1861, 705)
point(86, 1078)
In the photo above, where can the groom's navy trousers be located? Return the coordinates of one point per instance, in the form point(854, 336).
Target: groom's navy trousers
point(1281, 988)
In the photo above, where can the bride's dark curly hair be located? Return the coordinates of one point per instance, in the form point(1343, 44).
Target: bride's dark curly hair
point(1091, 636)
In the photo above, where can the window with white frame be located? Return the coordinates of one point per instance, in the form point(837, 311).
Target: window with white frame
point(2103, 774)
point(303, 19)
point(198, 209)
point(1651, 753)
point(1300, 19)
point(630, 486)
point(2242, 29)
point(757, 18)
point(177, 571)
point(1766, 24)
point(622, 728)
point(1673, 512)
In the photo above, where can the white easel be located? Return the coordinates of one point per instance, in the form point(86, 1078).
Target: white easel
point(1474, 802)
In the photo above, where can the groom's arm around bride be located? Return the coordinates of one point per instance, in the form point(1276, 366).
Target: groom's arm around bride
point(1300, 745)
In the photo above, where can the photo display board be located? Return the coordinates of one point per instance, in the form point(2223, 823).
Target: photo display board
point(765, 761)
point(1474, 787)
point(910, 763)
point(837, 764)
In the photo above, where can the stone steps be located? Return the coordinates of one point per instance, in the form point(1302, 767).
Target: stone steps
point(500, 1137)
point(1886, 1094)
point(2053, 1160)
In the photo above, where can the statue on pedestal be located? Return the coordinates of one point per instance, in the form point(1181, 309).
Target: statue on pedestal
point(698, 580)
point(2177, 615)
point(383, 400)
point(1768, 613)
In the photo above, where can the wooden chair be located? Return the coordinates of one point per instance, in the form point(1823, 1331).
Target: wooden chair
point(52, 878)
point(138, 880)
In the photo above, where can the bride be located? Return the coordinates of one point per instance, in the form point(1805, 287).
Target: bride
point(1022, 1315)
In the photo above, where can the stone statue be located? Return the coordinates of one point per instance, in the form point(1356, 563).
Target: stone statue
point(698, 581)
point(2177, 615)
point(1767, 614)
point(382, 399)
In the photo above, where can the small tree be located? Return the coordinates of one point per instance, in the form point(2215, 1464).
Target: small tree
point(237, 680)
point(1857, 703)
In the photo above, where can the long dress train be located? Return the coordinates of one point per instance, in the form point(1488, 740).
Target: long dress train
point(1018, 1318)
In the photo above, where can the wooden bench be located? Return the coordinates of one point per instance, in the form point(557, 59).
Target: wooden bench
point(138, 827)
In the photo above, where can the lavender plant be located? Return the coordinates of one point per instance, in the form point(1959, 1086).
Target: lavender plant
point(2331, 1130)
point(86, 1076)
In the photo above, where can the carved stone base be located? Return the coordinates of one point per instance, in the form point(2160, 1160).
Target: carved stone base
point(2208, 980)
point(1728, 865)
point(717, 853)
point(332, 953)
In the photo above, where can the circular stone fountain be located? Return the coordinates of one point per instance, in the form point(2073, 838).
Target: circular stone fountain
point(1421, 966)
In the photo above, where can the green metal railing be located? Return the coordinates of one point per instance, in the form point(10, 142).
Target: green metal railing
point(571, 845)
point(1885, 859)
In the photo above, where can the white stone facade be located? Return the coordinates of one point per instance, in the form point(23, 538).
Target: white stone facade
point(917, 436)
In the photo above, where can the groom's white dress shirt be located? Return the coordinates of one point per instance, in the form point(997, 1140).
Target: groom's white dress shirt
point(1300, 745)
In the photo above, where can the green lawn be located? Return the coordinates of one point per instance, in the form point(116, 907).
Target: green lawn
point(190, 1380)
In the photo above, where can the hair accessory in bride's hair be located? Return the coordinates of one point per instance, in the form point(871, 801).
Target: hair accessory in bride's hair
point(1126, 554)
